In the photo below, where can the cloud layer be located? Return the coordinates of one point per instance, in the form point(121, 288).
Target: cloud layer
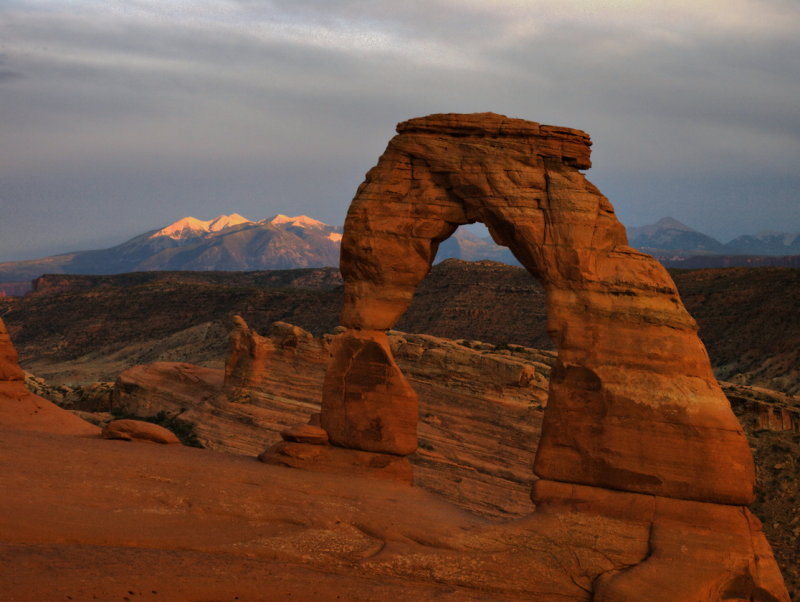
point(117, 117)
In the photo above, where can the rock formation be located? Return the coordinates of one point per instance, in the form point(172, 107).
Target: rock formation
point(481, 410)
point(139, 430)
point(480, 407)
point(22, 410)
point(636, 426)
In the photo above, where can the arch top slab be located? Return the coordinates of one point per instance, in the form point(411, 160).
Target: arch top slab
point(634, 405)
point(568, 145)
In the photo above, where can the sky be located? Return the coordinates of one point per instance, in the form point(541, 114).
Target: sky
point(120, 117)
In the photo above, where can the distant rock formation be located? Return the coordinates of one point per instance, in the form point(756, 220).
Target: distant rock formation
point(636, 426)
point(22, 410)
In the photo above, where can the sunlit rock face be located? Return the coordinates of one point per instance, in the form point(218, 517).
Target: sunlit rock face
point(633, 403)
point(22, 410)
point(636, 426)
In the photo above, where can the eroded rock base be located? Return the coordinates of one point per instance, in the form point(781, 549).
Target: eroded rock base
point(339, 460)
point(696, 550)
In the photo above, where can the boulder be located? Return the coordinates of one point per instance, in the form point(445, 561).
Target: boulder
point(138, 430)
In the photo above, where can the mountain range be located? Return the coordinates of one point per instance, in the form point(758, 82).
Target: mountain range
point(670, 236)
point(227, 242)
point(235, 243)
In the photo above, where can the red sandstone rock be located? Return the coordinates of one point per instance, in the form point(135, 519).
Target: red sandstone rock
point(22, 410)
point(139, 430)
point(697, 551)
point(633, 383)
point(338, 460)
point(10, 370)
point(305, 433)
point(370, 405)
point(633, 405)
point(249, 366)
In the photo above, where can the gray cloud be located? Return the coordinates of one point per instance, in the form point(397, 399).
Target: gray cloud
point(6, 75)
point(268, 106)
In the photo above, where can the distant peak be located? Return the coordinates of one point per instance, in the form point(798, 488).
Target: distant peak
point(184, 227)
point(191, 226)
point(300, 221)
point(226, 221)
point(671, 222)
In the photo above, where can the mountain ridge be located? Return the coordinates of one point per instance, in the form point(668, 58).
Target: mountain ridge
point(671, 235)
point(234, 242)
point(226, 242)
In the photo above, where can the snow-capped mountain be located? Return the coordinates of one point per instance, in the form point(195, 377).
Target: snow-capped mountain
point(234, 242)
point(227, 242)
point(189, 227)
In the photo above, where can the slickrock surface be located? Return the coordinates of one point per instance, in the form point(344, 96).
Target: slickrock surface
point(21, 409)
point(181, 524)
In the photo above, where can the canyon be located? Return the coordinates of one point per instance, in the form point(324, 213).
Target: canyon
point(81, 329)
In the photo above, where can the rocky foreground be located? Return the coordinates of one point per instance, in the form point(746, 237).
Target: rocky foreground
point(480, 417)
point(87, 519)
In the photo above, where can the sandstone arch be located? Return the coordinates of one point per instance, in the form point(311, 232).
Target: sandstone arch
point(633, 404)
point(641, 458)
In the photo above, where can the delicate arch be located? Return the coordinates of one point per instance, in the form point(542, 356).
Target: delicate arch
point(632, 382)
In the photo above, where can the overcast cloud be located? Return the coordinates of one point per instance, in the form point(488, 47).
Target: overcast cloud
point(119, 117)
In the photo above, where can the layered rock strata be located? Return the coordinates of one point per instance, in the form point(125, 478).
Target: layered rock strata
point(633, 405)
point(480, 409)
